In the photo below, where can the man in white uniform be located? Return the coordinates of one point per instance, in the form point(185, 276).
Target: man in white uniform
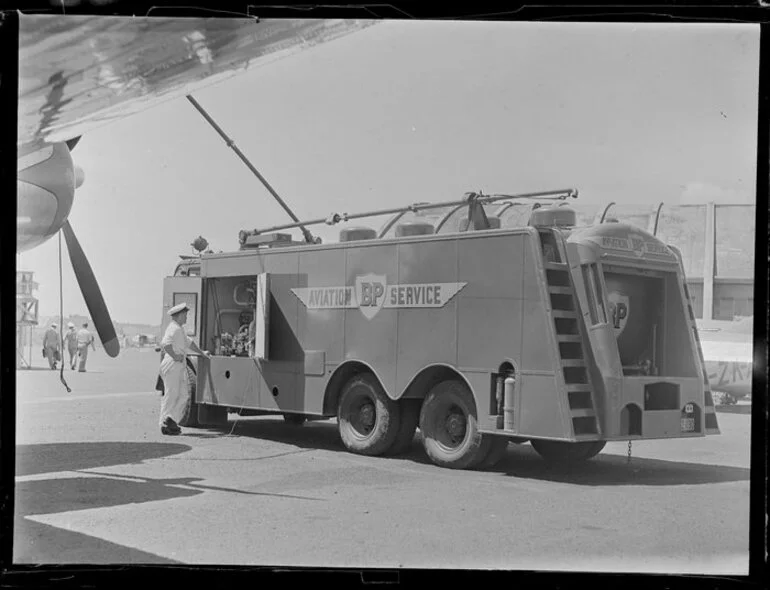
point(84, 340)
point(173, 369)
point(71, 341)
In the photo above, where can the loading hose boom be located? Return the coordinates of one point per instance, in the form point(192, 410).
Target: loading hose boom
point(479, 198)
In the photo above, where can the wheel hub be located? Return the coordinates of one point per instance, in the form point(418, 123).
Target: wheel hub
point(455, 425)
point(366, 415)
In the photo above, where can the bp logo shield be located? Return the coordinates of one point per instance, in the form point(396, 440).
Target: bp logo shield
point(619, 306)
point(370, 294)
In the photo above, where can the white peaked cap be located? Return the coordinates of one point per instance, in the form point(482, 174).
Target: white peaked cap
point(177, 309)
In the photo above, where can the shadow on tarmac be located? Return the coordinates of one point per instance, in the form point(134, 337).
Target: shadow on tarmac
point(36, 542)
point(47, 458)
point(613, 470)
point(519, 461)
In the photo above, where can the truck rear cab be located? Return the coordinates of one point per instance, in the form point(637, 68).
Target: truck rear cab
point(645, 367)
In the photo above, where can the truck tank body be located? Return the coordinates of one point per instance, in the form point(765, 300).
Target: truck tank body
point(468, 301)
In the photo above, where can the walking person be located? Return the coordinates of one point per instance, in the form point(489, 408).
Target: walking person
point(176, 345)
point(71, 343)
point(84, 340)
point(51, 346)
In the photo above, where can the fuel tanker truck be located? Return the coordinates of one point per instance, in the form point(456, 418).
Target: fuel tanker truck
point(477, 330)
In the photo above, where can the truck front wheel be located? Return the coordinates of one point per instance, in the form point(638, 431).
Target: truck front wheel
point(567, 452)
point(190, 417)
point(449, 427)
point(368, 420)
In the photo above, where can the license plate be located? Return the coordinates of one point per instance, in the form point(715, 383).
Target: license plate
point(688, 424)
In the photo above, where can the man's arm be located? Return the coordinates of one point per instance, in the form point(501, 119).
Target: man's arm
point(169, 350)
point(196, 349)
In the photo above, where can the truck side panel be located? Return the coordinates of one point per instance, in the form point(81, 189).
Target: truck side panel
point(425, 335)
point(321, 332)
point(373, 340)
point(286, 357)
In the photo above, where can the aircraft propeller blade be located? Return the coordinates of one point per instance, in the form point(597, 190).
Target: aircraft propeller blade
point(91, 293)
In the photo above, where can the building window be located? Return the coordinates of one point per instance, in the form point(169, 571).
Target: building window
point(734, 252)
point(685, 228)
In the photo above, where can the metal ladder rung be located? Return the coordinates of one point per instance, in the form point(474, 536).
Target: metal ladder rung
point(573, 363)
point(583, 413)
point(579, 388)
point(569, 338)
point(560, 290)
point(556, 266)
point(562, 313)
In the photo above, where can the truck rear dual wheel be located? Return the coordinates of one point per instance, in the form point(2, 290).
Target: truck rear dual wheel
point(498, 446)
point(449, 427)
point(294, 419)
point(409, 417)
point(368, 420)
point(567, 452)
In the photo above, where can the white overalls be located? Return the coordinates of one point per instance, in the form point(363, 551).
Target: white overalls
point(174, 374)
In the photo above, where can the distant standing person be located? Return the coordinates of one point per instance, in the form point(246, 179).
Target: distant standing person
point(51, 346)
point(84, 339)
point(71, 342)
point(173, 369)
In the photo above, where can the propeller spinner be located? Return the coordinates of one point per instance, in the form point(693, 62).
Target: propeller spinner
point(46, 185)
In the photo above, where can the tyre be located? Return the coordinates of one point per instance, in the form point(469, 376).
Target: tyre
point(190, 417)
point(368, 420)
point(449, 427)
point(497, 448)
point(294, 419)
point(409, 416)
point(567, 452)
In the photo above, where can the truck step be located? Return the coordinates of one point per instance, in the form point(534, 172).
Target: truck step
point(556, 266)
point(585, 437)
point(583, 413)
point(569, 338)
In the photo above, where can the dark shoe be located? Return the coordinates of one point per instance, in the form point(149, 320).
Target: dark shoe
point(171, 425)
point(169, 431)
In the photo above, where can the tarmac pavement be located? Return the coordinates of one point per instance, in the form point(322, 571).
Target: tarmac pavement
point(96, 482)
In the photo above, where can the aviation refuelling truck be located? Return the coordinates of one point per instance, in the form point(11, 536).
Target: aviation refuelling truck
point(475, 331)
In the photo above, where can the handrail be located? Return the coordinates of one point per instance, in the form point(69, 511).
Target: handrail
point(604, 213)
point(654, 231)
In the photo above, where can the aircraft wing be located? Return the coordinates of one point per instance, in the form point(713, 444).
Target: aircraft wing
point(729, 357)
point(80, 72)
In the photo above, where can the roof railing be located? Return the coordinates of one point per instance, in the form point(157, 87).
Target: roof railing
point(471, 198)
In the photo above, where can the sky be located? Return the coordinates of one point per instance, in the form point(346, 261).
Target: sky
point(412, 111)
